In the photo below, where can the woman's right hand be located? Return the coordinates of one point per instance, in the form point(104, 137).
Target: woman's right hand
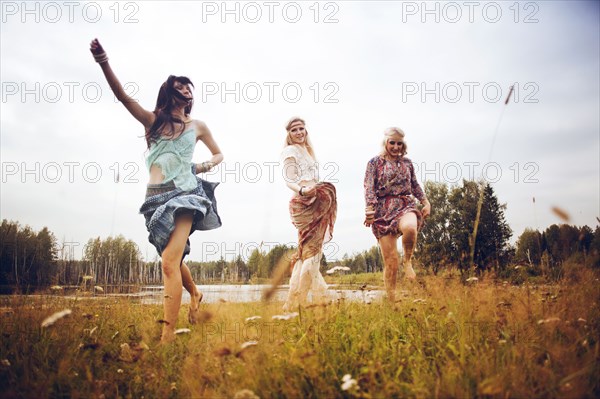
point(96, 47)
point(309, 191)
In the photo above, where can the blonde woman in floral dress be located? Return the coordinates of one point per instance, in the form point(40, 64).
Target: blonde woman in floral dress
point(390, 191)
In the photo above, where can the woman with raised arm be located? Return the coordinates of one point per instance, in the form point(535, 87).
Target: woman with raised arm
point(177, 201)
point(390, 187)
point(313, 209)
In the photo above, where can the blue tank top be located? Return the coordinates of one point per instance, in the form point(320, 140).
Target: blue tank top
point(174, 157)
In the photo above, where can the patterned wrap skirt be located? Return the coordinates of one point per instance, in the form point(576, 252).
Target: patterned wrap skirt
point(388, 212)
point(314, 217)
point(164, 202)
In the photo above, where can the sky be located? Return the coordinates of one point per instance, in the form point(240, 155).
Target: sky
point(439, 70)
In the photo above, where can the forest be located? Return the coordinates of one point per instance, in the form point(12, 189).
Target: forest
point(30, 259)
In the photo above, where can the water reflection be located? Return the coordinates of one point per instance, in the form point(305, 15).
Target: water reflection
point(250, 293)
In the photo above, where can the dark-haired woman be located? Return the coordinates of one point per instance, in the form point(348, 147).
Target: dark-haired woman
point(177, 201)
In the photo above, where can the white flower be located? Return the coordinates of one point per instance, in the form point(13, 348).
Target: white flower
point(183, 331)
point(248, 344)
point(252, 318)
point(336, 268)
point(349, 382)
point(287, 316)
point(55, 317)
point(548, 320)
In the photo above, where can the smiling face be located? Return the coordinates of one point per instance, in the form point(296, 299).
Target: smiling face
point(297, 132)
point(394, 145)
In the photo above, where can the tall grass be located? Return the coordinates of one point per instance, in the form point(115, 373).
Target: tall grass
point(441, 339)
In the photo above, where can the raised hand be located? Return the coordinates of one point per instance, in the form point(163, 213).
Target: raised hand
point(98, 52)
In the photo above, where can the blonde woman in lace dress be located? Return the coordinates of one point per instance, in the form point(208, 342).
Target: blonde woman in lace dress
point(313, 209)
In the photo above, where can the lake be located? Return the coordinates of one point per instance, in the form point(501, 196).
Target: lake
point(250, 293)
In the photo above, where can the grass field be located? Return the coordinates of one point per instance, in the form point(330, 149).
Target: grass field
point(441, 339)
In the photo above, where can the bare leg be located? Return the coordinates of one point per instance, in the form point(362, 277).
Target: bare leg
point(408, 227)
point(171, 268)
point(390, 264)
point(195, 294)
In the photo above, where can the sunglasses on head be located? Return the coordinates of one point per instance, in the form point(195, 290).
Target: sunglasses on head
point(395, 142)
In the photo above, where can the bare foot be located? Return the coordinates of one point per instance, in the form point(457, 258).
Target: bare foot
point(194, 314)
point(409, 272)
point(168, 335)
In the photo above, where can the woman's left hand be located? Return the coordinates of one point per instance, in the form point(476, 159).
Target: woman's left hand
point(426, 211)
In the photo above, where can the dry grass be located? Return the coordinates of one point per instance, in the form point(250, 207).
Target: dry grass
point(441, 339)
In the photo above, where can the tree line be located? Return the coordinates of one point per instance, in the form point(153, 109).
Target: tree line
point(30, 259)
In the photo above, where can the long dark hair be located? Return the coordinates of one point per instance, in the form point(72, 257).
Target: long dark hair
point(166, 101)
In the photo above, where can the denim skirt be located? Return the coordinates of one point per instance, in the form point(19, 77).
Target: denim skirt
point(164, 202)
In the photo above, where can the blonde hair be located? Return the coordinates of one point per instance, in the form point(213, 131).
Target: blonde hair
point(289, 141)
point(388, 134)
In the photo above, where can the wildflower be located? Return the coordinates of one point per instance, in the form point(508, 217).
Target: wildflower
point(183, 331)
point(248, 344)
point(336, 268)
point(566, 387)
point(252, 318)
point(286, 316)
point(349, 382)
point(224, 351)
point(245, 394)
point(548, 320)
point(55, 317)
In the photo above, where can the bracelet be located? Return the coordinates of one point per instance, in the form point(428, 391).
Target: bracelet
point(101, 58)
point(206, 166)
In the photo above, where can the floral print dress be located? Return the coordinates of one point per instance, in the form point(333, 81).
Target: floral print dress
point(390, 189)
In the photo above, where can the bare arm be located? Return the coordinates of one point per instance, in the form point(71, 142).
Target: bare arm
point(204, 135)
point(290, 172)
point(144, 116)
